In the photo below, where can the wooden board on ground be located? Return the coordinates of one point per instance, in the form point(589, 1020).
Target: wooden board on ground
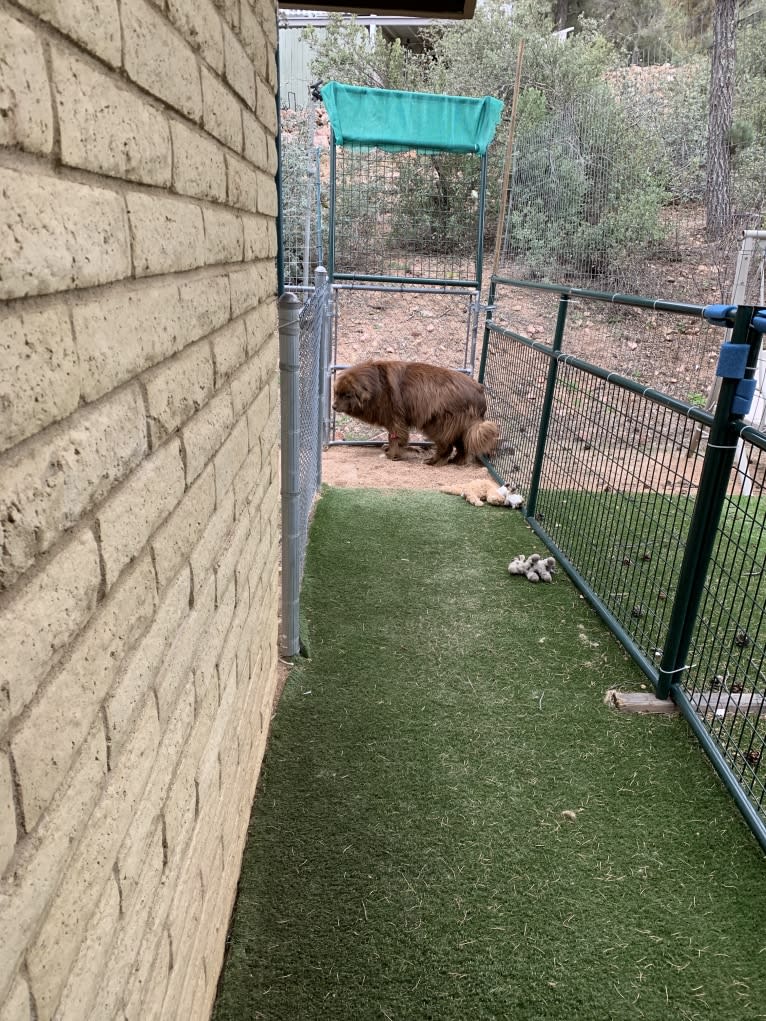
point(639, 702)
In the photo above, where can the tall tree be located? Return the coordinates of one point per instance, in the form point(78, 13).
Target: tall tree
point(720, 115)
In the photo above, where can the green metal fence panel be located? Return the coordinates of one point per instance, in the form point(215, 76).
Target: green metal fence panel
point(657, 510)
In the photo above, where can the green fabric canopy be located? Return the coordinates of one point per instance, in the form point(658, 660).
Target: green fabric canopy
point(395, 121)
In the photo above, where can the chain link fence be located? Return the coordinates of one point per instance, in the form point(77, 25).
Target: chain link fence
point(303, 343)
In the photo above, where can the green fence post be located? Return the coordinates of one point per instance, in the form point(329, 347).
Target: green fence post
point(714, 481)
point(545, 415)
point(487, 318)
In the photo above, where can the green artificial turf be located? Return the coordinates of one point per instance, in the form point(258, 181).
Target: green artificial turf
point(408, 855)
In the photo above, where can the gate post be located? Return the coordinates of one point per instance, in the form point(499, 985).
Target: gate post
point(289, 388)
point(714, 480)
point(320, 290)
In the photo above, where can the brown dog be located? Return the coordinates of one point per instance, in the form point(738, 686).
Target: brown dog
point(446, 405)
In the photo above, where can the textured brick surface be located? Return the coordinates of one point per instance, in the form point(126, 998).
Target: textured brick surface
point(26, 118)
point(7, 813)
point(167, 234)
point(138, 493)
point(221, 111)
point(159, 59)
point(199, 23)
point(62, 474)
point(73, 696)
point(106, 128)
point(93, 23)
point(39, 374)
point(138, 508)
point(178, 388)
point(38, 621)
point(199, 167)
point(56, 235)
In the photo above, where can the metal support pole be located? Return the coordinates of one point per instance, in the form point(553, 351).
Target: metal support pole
point(545, 415)
point(485, 341)
point(716, 468)
point(320, 290)
point(328, 317)
point(289, 384)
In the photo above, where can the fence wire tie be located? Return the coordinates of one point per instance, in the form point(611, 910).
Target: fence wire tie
point(678, 669)
point(718, 446)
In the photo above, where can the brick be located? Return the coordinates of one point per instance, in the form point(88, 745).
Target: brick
point(173, 543)
point(272, 163)
point(178, 388)
point(139, 672)
point(199, 168)
point(56, 235)
point(138, 508)
point(128, 939)
point(223, 236)
point(179, 809)
point(246, 481)
point(94, 23)
point(257, 240)
point(199, 23)
point(229, 350)
point(176, 674)
point(72, 698)
point(221, 111)
point(226, 563)
point(17, 1006)
point(206, 305)
point(268, 202)
point(209, 761)
point(133, 850)
point(211, 543)
point(257, 417)
point(244, 285)
point(254, 141)
point(183, 923)
point(227, 661)
point(44, 857)
point(158, 59)
point(146, 989)
point(261, 325)
point(168, 234)
point(266, 106)
point(252, 36)
point(39, 620)
point(46, 488)
point(50, 956)
point(88, 968)
point(7, 813)
point(107, 129)
point(230, 10)
point(26, 117)
point(39, 375)
point(119, 336)
point(246, 386)
point(238, 68)
point(205, 432)
point(230, 457)
point(243, 184)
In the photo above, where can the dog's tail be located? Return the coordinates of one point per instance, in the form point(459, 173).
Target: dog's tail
point(481, 437)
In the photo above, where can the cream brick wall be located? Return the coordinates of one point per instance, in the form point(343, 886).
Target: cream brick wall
point(139, 494)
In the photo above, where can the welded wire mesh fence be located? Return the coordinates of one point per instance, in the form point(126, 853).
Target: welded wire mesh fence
point(300, 175)
point(612, 481)
point(411, 215)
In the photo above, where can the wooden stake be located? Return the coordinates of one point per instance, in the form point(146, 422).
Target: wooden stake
point(508, 158)
point(639, 702)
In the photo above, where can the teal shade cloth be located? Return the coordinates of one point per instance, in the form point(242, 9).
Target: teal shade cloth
point(396, 121)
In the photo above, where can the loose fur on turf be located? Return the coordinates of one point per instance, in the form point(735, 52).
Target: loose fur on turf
point(445, 405)
point(478, 491)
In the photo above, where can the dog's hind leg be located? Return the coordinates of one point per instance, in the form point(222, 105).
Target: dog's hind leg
point(441, 453)
point(398, 438)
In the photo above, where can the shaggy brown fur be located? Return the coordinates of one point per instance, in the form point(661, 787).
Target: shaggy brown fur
point(445, 405)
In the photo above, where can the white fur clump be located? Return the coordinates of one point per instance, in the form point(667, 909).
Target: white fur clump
point(534, 568)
